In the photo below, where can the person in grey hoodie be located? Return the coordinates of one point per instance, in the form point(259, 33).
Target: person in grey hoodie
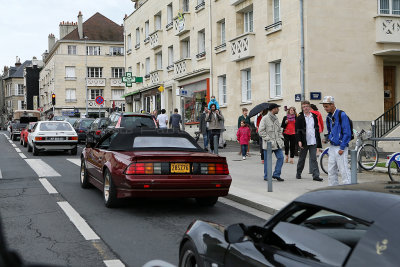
point(215, 119)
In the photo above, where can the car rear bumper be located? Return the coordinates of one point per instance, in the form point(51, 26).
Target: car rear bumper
point(48, 145)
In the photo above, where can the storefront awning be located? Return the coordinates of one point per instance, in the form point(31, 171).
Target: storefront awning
point(129, 94)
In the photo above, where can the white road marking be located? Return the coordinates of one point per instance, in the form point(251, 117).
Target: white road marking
point(78, 221)
point(41, 168)
point(114, 263)
point(22, 155)
point(14, 145)
point(250, 210)
point(18, 150)
point(75, 161)
point(46, 184)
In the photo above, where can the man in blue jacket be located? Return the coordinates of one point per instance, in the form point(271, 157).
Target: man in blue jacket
point(339, 136)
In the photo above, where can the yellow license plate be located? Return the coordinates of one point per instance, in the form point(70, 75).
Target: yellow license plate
point(180, 168)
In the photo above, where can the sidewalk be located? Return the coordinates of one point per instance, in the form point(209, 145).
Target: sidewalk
point(249, 188)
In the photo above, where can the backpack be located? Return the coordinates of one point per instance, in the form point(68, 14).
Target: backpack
point(351, 124)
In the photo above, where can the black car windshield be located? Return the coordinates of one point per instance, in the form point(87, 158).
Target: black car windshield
point(55, 126)
point(164, 142)
point(86, 123)
point(130, 122)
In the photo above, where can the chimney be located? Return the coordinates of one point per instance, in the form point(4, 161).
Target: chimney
point(66, 28)
point(17, 62)
point(80, 25)
point(34, 62)
point(52, 41)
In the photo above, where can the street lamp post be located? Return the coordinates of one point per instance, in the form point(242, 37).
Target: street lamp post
point(86, 77)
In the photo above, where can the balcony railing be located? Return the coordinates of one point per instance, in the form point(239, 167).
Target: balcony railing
point(182, 24)
point(200, 6)
point(146, 40)
point(169, 25)
point(182, 66)
point(201, 55)
point(137, 46)
point(242, 47)
point(235, 2)
point(274, 27)
point(96, 82)
point(155, 39)
point(116, 82)
point(155, 76)
point(220, 48)
point(170, 67)
point(387, 29)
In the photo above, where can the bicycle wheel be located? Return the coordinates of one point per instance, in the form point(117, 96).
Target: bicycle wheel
point(394, 171)
point(368, 157)
point(323, 162)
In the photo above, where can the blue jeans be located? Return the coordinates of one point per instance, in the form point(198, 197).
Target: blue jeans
point(278, 165)
point(244, 149)
point(205, 139)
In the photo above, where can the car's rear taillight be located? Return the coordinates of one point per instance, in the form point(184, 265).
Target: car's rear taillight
point(210, 168)
point(39, 138)
point(81, 131)
point(143, 168)
point(98, 132)
point(73, 138)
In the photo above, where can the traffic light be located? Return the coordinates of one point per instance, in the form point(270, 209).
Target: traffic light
point(53, 99)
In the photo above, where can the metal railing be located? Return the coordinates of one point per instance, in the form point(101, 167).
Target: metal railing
point(387, 121)
point(274, 25)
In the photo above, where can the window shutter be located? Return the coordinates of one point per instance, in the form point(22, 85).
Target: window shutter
point(251, 21)
point(158, 22)
point(271, 80)
point(248, 85)
point(16, 89)
point(244, 86)
point(222, 32)
point(170, 55)
point(220, 90)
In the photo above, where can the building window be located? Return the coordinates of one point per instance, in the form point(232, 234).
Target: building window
point(201, 42)
point(222, 32)
point(70, 72)
point(21, 104)
point(147, 66)
point(117, 72)
point(185, 48)
point(185, 5)
point(147, 104)
point(95, 93)
point(275, 79)
point(246, 85)
point(93, 50)
point(94, 72)
point(159, 61)
point(157, 22)
point(170, 56)
point(248, 21)
point(169, 14)
point(117, 94)
point(116, 51)
point(70, 95)
point(19, 89)
point(276, 11)
point(72, 50)
point(137, 69)
point(389, 7)
point(146, 30)
point(222, 89)
point(129, 41)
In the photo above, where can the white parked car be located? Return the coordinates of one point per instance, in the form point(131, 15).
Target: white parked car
point(52, 135)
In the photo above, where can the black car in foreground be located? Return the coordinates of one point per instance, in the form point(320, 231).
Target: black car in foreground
point(353, 225)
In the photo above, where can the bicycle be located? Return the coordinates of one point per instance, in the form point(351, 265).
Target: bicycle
point(367, 154)
point(393, 165)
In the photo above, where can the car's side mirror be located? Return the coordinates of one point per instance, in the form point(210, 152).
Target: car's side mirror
point(235, 233)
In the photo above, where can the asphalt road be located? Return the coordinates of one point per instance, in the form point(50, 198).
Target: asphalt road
point(41, 224)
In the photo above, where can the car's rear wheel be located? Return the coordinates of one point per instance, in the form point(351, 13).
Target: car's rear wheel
point(206, 201)
point(84, 179)
point(109, 192)
point(35, 151)
point(74, 151)
point(188, 256)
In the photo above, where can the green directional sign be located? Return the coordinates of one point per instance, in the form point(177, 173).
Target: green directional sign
point(128, 79)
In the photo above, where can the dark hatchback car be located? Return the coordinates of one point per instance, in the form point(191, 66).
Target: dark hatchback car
point(96, 130)
point(353, 225)
point(81, 127)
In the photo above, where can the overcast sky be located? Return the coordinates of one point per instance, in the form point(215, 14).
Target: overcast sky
point(25, 24)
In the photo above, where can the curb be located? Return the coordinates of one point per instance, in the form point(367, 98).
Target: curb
point(252, 204)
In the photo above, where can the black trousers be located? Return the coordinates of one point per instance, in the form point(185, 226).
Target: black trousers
point(290, 143)
point(261, 148)
point(213, 133)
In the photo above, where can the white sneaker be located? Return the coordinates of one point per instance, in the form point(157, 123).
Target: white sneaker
point(244, 158)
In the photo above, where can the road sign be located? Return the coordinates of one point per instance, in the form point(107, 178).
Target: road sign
point(161, 88)
point(184, 92)
point(99, 100)
point(297, 97)
point(315, 95)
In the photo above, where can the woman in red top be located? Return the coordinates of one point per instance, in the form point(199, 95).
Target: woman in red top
point(243, 136)
point(289, 133)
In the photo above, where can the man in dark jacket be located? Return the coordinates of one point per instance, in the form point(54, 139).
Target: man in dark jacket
point(175, 120)
point(308, 138)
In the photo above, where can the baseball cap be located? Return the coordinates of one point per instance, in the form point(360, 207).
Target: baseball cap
point(328, 100)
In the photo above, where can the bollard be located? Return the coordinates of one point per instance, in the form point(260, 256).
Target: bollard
point(269, 166)
point(216, 144)
point(354, 162)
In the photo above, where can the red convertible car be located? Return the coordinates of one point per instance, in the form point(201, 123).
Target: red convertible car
point(23, 140)
point(153, 163)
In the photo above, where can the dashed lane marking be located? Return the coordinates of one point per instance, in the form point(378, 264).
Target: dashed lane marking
point(41, 168)
point(114, 263)
point(75, 161)
point(48, 186)
point(18, 150)
point(78, 221)
point(22, 155)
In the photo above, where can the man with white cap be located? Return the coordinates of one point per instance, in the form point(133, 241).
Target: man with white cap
point(339, 136)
